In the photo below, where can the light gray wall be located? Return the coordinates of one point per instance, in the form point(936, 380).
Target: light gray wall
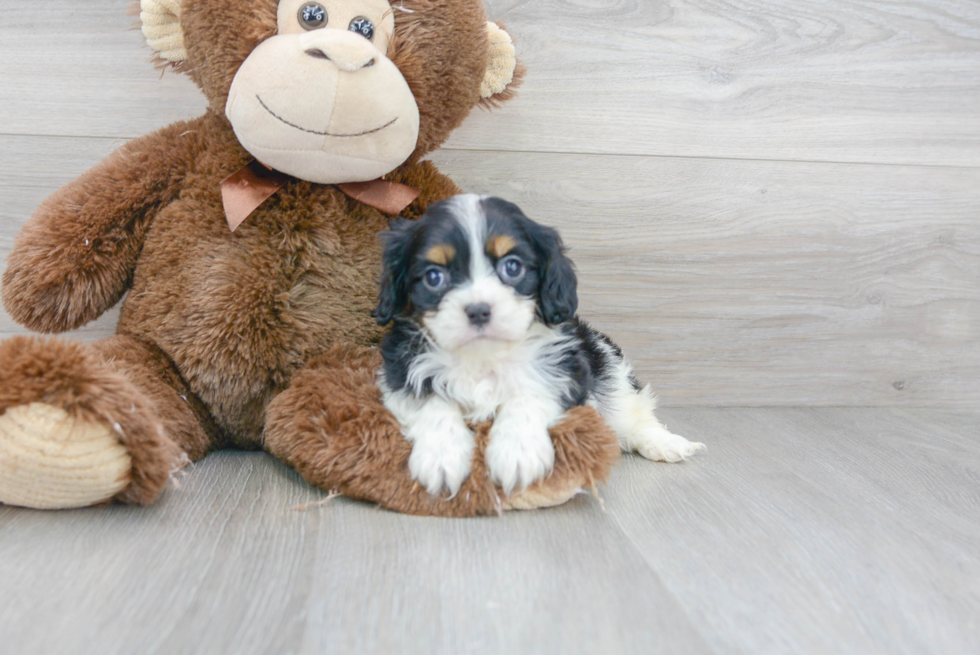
point(770, 203)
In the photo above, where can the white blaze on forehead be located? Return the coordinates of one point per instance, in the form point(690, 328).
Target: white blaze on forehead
point(468, 211)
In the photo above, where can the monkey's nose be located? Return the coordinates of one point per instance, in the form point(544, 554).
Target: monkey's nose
point(479, 314)
point(349, 64)
point(316, 53)
point(348, 51)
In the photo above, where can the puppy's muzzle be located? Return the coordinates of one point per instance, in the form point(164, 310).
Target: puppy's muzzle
point(479, 314)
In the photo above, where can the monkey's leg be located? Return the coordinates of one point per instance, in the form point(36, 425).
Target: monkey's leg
point(82, 425)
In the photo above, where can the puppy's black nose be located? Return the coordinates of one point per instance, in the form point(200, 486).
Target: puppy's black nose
point(479, 314)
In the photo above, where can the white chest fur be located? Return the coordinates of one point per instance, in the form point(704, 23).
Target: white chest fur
point(486, 374)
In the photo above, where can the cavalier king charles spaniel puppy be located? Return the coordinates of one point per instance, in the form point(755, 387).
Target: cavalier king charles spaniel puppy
point(483, 301)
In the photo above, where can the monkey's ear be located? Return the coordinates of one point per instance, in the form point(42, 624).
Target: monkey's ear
point(394, 275)
point(161, 28)
point(504, 73)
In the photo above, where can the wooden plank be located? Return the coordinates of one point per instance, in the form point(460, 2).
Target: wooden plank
point(223, 565)
point(829, 80)
point(83, 69)
point(128, 579)
point(541, 582)
point(808, 80)
point(728, 283)
point(766, 283)
point(798, 530)
point(811, 531)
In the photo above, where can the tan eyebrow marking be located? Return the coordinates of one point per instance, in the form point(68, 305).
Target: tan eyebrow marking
point(500, 244)
point(441, 254)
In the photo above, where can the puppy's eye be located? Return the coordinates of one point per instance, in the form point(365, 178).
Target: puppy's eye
point(434, 279)
point(511, 269)
point(362, 26)
point(312, 15)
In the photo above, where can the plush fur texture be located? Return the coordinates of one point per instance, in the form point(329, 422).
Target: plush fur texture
point(222, 338)
point(330, 426)
point(120, 383)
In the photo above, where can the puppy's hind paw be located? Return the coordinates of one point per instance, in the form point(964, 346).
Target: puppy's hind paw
point(667, 447)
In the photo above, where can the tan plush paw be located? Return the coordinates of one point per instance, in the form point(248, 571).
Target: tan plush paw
point(48, 460)
point(501, 63)
point(542, 495)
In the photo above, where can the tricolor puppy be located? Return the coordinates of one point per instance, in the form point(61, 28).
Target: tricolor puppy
point(483, 301)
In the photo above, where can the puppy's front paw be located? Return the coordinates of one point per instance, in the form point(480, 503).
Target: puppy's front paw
point(663, 446)
point(441, 461)
point(519, 456)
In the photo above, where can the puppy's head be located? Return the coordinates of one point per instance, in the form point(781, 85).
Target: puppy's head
point(475, 269)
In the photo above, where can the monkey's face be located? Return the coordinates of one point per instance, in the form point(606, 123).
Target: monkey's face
point(321, 100)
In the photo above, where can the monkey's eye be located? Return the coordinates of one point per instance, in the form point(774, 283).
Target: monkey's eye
point(312, 15)
point(362, 26)
point(511, 269)
point(434, 279)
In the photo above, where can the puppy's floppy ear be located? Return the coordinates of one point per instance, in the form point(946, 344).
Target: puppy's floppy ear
point(394, 276)
point(558, 290)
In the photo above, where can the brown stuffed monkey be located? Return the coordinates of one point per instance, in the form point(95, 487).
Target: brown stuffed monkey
point(247, 242)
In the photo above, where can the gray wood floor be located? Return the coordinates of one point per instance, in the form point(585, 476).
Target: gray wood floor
point(798, 531)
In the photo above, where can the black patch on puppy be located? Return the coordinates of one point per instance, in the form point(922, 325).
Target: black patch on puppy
point(403, 297)
point(590, 363)
point(582, 365)
point(554, 283)
point(404, 262)
point(394, 279)
point(399, 348)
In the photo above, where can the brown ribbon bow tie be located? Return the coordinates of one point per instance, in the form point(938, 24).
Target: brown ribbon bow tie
point(244, 190)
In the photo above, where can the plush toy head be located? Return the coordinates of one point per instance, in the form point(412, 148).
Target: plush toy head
point(334, 91)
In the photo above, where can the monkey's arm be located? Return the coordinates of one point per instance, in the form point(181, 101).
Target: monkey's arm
point(75, 256)
point(433, 185)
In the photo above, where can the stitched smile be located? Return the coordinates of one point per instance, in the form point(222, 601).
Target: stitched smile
point(303, 129)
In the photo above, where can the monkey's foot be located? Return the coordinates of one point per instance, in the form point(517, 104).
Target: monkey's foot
point(50, 460)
